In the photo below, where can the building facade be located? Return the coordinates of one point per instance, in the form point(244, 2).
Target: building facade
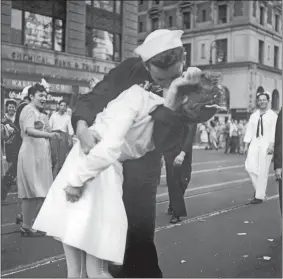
point(240, 39)
point(65, 42)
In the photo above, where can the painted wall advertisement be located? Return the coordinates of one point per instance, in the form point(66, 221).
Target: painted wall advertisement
point(60, 60)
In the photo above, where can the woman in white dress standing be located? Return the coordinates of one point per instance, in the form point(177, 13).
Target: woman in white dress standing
point(34, 174)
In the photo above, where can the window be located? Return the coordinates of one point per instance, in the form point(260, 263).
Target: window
point(107, 5)
point(141, 2)
point(269, 50)
point(203, 15)
point(277, 18)
point(16, 26)
point(276, 56)
point(170, 21)
point(140, 27)
point(157, 2)
point(39, 24)
point(202, 51)
point(221, 51)
point(269, 15)
point(254, 8)
point(188, 50)
point(238, 8)
point(260, 51)
point(261, 15)
point(155, 24)
point(275, 100)
point(103, 45)
point(222, 14)
point(187, 20)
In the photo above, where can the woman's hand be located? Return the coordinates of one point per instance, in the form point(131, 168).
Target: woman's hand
point(190, 77)
point(73, 194)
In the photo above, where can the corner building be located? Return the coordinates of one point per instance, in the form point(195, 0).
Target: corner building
point(240, 39)
point(65, 42)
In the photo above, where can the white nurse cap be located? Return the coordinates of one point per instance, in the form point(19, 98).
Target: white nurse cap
point(159, 41)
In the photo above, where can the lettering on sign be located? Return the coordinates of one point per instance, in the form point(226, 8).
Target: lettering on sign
point(58, 60)
point(14, 95)
point(21, 84)
point(54, 98)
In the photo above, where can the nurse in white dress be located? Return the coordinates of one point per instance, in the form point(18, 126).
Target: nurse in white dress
point(259, 144)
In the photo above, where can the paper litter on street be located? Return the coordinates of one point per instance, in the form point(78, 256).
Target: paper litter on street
point(245, 256)
point(241, 233)
point(182, 261)
point(246, 222)
point(270, 239)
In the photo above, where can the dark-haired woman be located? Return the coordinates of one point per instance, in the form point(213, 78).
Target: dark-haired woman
point(34, 173)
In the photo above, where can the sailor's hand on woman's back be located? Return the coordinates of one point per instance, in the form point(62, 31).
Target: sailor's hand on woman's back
point(88, 138)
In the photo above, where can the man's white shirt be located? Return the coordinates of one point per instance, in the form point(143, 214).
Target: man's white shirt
point(61, 122)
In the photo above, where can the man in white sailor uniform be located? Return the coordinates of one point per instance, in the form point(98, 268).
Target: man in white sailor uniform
point(259, 145)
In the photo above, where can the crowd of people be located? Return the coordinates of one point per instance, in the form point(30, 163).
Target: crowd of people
point(228, 135)
point(98, 196)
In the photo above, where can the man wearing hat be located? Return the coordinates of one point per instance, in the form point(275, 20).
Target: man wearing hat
point(161, 60)
point(259, 145)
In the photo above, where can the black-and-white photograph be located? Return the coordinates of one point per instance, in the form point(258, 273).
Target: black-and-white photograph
point(141, 138)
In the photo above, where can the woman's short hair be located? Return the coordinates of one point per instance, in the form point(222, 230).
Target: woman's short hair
point(37, 87)
point(167, 58)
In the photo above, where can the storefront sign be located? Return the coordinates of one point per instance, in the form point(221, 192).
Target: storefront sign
point(12, 94)
point(65, 61)
point(241, 110)
point(57, 98)
point(21, 84)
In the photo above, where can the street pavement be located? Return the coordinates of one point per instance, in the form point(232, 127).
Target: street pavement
point(222, 236)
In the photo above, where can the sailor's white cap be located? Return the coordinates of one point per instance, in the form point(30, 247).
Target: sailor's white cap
point(24, 93)
point(159, 41)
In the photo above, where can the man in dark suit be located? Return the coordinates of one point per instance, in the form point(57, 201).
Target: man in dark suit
point(161, 61)
point(178, 161)
point(278, 155)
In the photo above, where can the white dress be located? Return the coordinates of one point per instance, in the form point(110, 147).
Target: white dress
point(97, 223)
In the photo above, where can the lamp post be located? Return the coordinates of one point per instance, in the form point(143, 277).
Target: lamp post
point(282, 48)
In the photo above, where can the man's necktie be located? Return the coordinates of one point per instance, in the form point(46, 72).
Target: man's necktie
point(261, 126)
